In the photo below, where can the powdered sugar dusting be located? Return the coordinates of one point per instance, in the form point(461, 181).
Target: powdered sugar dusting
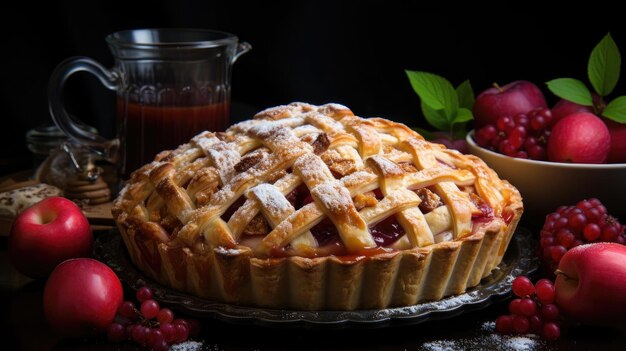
point(225, 161)
point(326, 123)
point(488, 326)
point(441, 345)
point(263, 129)
point(205, 142)
point(333, 196)
point(313, 169)
point(335, 106)
point(453, 301)
point(187, 346)
point(520, 343)
point(272, 200)
point(488, 340)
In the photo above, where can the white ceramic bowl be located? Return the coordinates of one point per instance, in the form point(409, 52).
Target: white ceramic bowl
point(547, 185)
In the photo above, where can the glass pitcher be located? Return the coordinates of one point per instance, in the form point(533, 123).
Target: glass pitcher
point(171, 84)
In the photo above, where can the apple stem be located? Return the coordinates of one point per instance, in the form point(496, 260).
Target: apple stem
point(560, 272)
point(495, 85)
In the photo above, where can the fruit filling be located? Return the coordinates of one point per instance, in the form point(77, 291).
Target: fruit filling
point(387, 231)
point(430, 200)
point(325, 233)
point(233, 208)
point(485, 213)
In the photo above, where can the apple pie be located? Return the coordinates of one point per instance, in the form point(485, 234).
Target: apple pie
point(313, 208)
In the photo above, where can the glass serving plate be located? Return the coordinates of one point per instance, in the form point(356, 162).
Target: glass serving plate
point(520, 259)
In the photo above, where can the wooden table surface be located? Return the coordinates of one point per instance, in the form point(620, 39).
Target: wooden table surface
point(23, 327)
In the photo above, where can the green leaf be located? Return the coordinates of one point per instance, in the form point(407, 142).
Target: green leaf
point(466, 95)
point(436, 118)
point(572, 90)
point(604, 66)
point(616, 110)
point(462, 115)
point(435, 91)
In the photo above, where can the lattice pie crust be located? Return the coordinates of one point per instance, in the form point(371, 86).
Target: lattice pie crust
point(310, 207)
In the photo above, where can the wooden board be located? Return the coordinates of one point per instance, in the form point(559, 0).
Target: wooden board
point(99, 216)
point(16, 180)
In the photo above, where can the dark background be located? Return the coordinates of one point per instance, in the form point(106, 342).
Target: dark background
point(353, 53)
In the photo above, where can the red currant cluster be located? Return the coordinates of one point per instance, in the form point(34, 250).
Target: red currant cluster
point(571, 226)
point(150, 325)
point(522, 136)
point(533, 311)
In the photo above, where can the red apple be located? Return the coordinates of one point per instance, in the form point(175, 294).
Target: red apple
point(564, 108)
point(81, 297)
point(48, 233)
point(617, 154)
point(591, 284)
point(509, 100)
point(580, 138)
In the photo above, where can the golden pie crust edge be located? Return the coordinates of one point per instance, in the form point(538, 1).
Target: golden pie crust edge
point(399, 278)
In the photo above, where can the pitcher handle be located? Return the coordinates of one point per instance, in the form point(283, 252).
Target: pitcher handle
point(72, 127)
point(242, 48)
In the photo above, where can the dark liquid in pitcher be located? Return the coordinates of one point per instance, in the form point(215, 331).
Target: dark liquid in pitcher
point(151, 129)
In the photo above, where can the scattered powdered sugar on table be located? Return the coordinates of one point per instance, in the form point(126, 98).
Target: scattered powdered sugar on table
point(490, 341)
point(187, 346)
point(453, 301)
point(488, 326)
point(521, 343)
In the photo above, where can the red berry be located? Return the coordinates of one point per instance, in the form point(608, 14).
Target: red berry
point(155, 336)
point(609, 233)
point(140, 335)
point(485, 134)
point(521, 154)
point(538, 122)
point(143, 294)
point(514, 307)
point(127, 309)
point(572, 226)
point(528, 307)
point(116, 332)
point(592, 232)
point(517, 136)
point(594, 214)
point(557, 252)
point(577, 221)
point(544, 289)
point(181, 332)
point(504, 324)
point(549, 312)
point(161, 346)
point(565, 237)
point(505, 124)
point(507, 148)
point(149, 309)
point(521, 324)
point(551, 331)
point(181, 321)
point(168, 331)
point(536, 324)
point(522, 286)
point(165, 315)
point(521, 120)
